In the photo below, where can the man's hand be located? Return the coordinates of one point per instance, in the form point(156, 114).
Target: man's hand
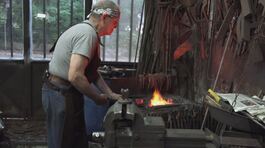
point(101, 100)
point(114, 96)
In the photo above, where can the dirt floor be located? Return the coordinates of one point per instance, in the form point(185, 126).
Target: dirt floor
point(26, 134)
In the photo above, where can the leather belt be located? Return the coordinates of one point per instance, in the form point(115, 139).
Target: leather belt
point(57, 81)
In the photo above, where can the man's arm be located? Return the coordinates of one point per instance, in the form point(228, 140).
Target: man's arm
point(77, 78)
point(101, 84)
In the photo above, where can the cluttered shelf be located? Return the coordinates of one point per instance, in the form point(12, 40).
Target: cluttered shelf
point(239, 111)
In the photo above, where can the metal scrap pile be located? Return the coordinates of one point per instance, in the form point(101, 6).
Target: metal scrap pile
point(193, 45)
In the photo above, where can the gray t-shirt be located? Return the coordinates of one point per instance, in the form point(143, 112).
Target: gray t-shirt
point(79, 39)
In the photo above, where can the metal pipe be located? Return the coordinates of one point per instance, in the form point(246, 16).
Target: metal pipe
point(27, 27)
point(44, 30)
point(117, 39)
point(211, 34)
point(223, 55)
point(131, 31)
point(27, 38)
point(204, 118)
point(138, 37)
point(212, 17)
point(58, 18)
point(71, 12)
point(11, 28)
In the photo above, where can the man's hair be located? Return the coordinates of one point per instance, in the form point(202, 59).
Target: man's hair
point(105, 7)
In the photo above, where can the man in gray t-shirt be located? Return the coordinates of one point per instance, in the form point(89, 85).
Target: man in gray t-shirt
point(72, 69)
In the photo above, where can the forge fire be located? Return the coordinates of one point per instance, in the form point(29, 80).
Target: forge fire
point(158, 99)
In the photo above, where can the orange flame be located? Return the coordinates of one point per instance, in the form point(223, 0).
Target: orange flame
point(157, 100)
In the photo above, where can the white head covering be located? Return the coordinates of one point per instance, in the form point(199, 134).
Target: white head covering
point(106, 7)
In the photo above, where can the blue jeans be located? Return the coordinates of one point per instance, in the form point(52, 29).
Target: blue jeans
point(54, 106)
point(94, 115)
point(65, 117)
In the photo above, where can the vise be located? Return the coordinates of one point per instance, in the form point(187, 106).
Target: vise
point(126, 127)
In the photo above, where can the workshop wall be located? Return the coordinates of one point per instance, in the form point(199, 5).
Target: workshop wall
point(20, 86)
